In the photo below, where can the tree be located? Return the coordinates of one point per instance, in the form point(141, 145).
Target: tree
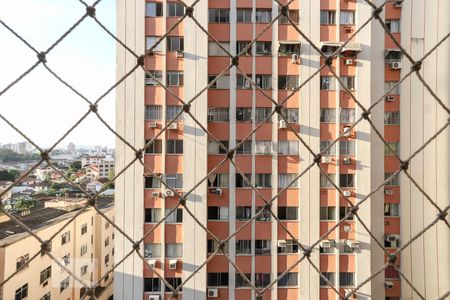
point(75, 166)
point(9, 175)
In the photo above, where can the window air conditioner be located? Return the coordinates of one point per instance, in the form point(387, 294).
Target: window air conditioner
point(326, 159)
point(218, 192)
point(391, 238)
point(294, 58)
point(389, 284)
point(282, 243)
point(398, 4)
point(282, 124)
point(325, 244)
point(151, 263)
point(153, 297)
point(390, 98)
point(348, 62)
point(169, 193)
point(152, 124)
point(173, 126)
point(347, 161)
point(347, 193)
point(388, 192)
point(352, 244)
point(396, 65)
point(172, 264)
point(213, 293)
point(155, 194)
point(347, 131)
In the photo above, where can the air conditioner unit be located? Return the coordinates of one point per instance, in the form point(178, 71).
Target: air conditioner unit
point(173, 126)
point(151, 263)
point(348, 62)
point(388, 192)
point(172, 264)
point(169, 193)
point(282, 124)
point(326, 159)
point(155, 194)
point(347, 131)
point(282, 243)
point(218, 192)
point(390, 98)
point(152, 124)
point(347, 193)
point(398, 4)
point(325, 244)
point(294, 58)
point(389, 284)
point(180, 53)
point(352, 244)
point(213, 293)
point(347, 160)
point(396, 65)
point(391, 238)
point(348, 29)
point(153, 297)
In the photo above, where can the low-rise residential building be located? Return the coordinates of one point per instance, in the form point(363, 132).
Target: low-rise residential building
point(84, 246)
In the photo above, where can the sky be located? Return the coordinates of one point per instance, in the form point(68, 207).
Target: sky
point(39, 105)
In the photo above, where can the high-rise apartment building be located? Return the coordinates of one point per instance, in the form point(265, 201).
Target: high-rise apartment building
point(278, 62)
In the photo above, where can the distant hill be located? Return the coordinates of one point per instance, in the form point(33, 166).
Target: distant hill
point(7, 155)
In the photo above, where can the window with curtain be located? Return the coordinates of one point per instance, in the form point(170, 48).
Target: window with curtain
point(244, 148)
point(262, 247)
point(241, 45)
point(263, 81)
point(346, 180)
point(219, 114)
point(215, 148)
point(291, 115)
point(331, 277)
point(243, 114)
point(393, 25)
point(391, 209)
point(243, 213)
point(215, 50)
point(175, 78)
point(175, 216)
point(154, 148)
point(175, 43)
point(262, 180)
point(327, 17)
point(327, 213)
point(346, 279)
point(172, 112)
point(328, 115)
point(151, 182)
point(293, 14)
point(242, 82)
point(154, 9)
point(288, 213)
point(286, 178)
point(288, 279)
point(150, 41)
point(219, 15)
point(288, 82)
point(347, 115)
point(347, 17)
point(263, 16)
point(244, 15)
point(175, 9)
point(347, 147)
point(262, 279)
point(152, 215)
point(263, 48)
point(218, 180)
point(174, 250)
point(153, 112)
point(152, 250)
point(325, 183)
point(327, 83)
point(263, 147)
point(349, 82)
point(243, 247)
point(261, 113)
point(153, 81)
point(392, 118)
point(217, 212)
point(288, 147)
point(223, 82)
point(324, 145)
point(175, 181)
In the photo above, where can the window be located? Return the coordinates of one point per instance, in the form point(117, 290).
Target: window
point(288, 213)
point(150, 41)
point(83, 228)
point(174, 78)
point(45, 297)
point(215, 50)
point(263, 147)
point(154, 9)
point(262, 280)
point(263, 48)
point(243, 213)
point(241, 182)
point(347, 147)
point(289, 49)
point(244, 148)
point(328, 115)
point(152, 183)
point(174, 250)
point(154, 148)
point(349, 82)
point(64, 284)
point(241, 282)
point(244, 15)
point(262, 247)
point(325, 183)
point(343, 211)
point(288, 82)
point(347, 17)
point(223, 82)
point(242, 82)
point(66, 259)
point(173, 111)
point(65, 237)
point(291, 247)
point(153, 112)
point(241, 46)
point(263, 180)
point(347, 115)
point(218, 180)
point(389, 85)
point(293, 15)
point(391, 210)
point(215, 148)
point(152, 284)
point(152, 215)
point(174, 281)
point(327, 213)
point(83, 270)
point(329, 276)
point(327, 17)
point(219, 15)
point(391, 273)
point(158, 75)
point(174, 181)
point(284, 179)
point(106, 259)
point(175, 43)
point(83, 250)
point(243, 114)
point(22, 292)
point(329, 151)
point(217, 212)
point(152, 250)
point(174, 146)
point(393, 25)
point(175, 9)
point(327, 83)
point(395, 146)
point(218, 114)
point(263, 16)
point(264, 81)
point(393, 55)
point(392, 118)
point(45, 274)
point(261, 113)
point(346, 180)
point(212, 246)
point(288, 148)
point(174, 217)
point(22, 261)
point(346, 279)
point(393, 181)
point(217, 279)
point(289, 279)
point(243, 247)
point(329, 250)
point(291, 114)
point(264, 216)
